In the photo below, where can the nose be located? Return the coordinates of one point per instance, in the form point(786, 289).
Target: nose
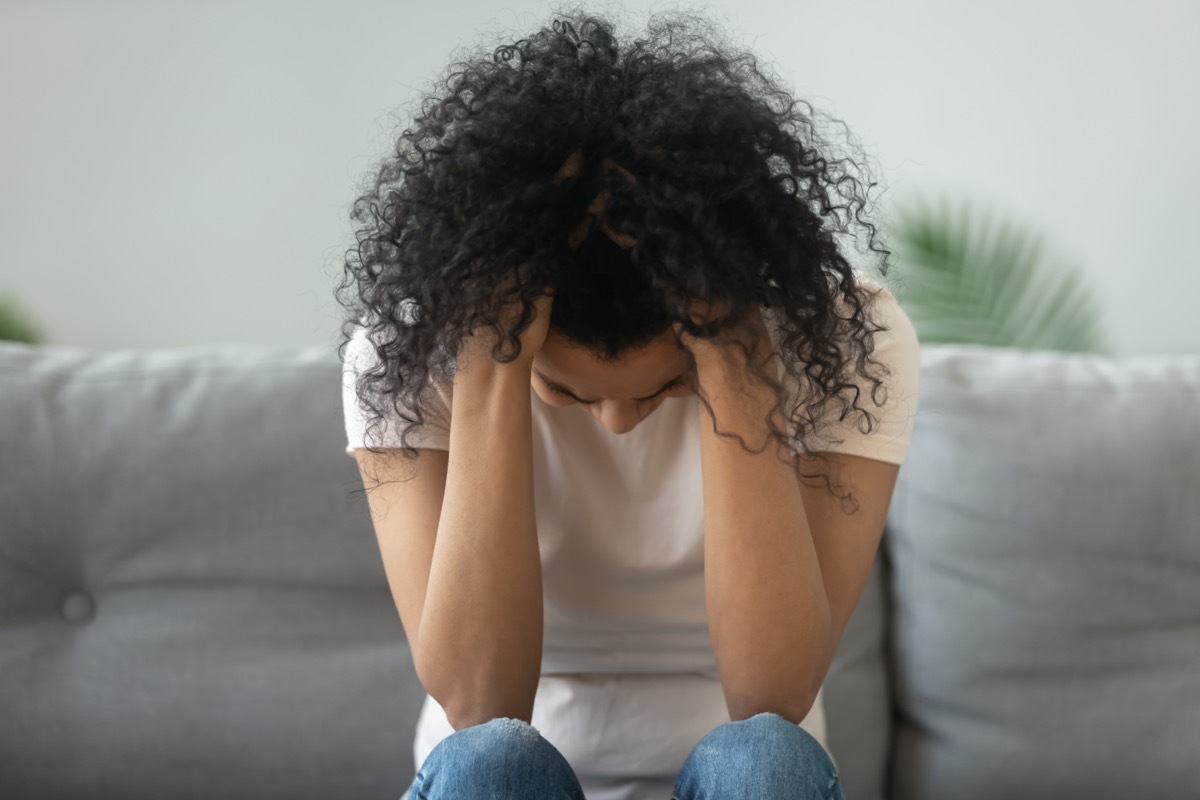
point(619, 417)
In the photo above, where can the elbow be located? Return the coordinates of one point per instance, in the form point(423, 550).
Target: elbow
point(790, 692)
point(466, 715)
point(470, 699)
point(465, 708)
point(794, 706)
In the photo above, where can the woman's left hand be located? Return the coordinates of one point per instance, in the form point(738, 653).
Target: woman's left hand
point(751, 332)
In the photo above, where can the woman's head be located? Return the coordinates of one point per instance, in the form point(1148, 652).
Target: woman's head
point(633, 176)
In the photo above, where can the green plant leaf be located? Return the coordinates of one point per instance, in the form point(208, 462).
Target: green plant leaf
point(15, 325)
point(969, 276)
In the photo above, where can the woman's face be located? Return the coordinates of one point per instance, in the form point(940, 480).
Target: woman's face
point(619, 394)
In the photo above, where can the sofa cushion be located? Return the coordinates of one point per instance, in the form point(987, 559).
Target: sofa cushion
point(192, 602)
point(857, 689)
point(1045, 551)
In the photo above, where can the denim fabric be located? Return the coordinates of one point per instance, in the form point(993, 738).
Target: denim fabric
point(762, 757)
point(506, 759)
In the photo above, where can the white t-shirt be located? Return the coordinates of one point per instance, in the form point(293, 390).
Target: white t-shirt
point(629, 681)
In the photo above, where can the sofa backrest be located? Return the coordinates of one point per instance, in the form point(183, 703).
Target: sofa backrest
point(192, 602)
point(1044, 579)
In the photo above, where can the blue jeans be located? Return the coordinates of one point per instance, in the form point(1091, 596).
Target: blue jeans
point(754, 759)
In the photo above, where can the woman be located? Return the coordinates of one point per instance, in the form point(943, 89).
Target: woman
point(628, 419)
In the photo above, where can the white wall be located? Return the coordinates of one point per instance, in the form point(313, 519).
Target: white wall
point(176, 173)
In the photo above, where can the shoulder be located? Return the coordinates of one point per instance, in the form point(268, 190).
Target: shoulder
point(894, 367)
point(895, 338)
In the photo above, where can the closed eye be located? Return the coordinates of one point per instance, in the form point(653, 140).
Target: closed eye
point(679, 382)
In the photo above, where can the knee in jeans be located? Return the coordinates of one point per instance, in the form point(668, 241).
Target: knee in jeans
point(503, 739)
point(765, 744)
point(501, 758)
point(771, 724)
point(765, 729)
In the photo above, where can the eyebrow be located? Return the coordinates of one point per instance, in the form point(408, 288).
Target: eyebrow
point(569, 391)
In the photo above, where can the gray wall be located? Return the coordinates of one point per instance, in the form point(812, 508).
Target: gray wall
point(176, 173)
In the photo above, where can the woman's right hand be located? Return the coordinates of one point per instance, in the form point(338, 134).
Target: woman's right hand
point(539, 328)
point(478, 345)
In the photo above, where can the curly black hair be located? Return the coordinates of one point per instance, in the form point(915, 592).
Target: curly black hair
point(731, 187)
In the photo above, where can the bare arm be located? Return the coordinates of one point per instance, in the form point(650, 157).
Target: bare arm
point(767, 607)
point(478, 643)
point(768, 612)
point(459, 541)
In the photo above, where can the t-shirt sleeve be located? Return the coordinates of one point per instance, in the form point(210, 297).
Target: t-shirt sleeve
point(434, 434)
point(897, 349)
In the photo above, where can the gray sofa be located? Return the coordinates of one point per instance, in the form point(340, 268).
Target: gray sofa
point(192, 603)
